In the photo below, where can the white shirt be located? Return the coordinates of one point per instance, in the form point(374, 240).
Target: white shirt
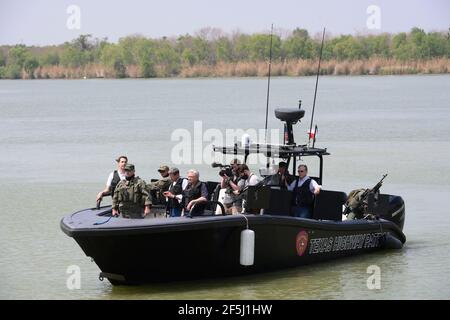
point(312, 186)
point(111, 176)
point(253, 180)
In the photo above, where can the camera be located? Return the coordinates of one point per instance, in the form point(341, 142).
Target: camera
point(224, 169)
point(226, 172)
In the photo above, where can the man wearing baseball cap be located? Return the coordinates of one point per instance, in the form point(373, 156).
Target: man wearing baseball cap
point(131, 198)
point(157, 188)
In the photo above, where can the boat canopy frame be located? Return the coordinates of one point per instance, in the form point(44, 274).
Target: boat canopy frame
point(282, 151)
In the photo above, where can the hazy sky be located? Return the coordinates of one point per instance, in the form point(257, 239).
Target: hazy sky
point(41, 22)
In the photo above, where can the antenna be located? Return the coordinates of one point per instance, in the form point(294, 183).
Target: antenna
point(268, 84)
point(315, 91)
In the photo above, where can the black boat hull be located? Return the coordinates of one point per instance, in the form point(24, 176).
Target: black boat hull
point(155, 250)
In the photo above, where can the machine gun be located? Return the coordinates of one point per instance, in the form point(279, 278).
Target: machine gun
point(359, 200)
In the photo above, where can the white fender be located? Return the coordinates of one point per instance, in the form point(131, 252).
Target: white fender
point(247, 247)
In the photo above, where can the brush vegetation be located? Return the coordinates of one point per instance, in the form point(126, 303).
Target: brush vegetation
point(212, 53)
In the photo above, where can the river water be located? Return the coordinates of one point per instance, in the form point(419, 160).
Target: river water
point(58, 139)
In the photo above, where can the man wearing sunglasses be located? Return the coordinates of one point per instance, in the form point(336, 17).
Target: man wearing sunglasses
point(304, 190)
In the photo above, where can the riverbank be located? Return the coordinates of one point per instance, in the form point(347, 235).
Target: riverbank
point(300, 67)
point(212, 53)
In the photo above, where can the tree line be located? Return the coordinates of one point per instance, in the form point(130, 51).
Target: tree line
point(138, 56)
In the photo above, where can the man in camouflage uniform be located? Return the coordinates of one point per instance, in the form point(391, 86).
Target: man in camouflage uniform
point(355, 207)
point(157, 188)
point(131, 198)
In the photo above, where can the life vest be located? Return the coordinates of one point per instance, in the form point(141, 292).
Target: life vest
point(115, 180)
point(192, 193)
point(303, 197)
point(176, 189)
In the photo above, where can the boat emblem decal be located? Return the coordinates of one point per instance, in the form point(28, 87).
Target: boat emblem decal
point(301, 242)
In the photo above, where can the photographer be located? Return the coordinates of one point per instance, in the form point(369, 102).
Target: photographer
point(233, 184)
point(248, 180)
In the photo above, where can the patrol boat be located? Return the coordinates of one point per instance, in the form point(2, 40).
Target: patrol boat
point(266, 238)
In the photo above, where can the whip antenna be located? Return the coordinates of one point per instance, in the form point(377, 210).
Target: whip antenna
point(268, 83)
point(315, 91)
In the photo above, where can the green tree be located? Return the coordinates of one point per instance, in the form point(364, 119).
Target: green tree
point(298, 45)
point(378, 45)
point(13, 71)
point(83, 42)
point(347, 48)
point(448, 43)
point(327, 52)
point(126, 46)
point(411, 46)
point(241, 45)
point(17, 55)
point(49, 59)
point(188, 56)
point(167, 57)
point(417, 40)
point(259, 47)
point(224, 49)
point(147, 69)
point(81, 51)
point(184, 49)
point(400, 47)
point(111, 56)
point(2, 59)
point(194, 50)
point(144, 55)
point(437, 44)
point(30, 65)
point(202, 51)
point(137, 50)
point(96, 49)
point(73, 57)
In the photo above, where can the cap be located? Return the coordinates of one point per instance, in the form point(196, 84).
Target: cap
point(282, 164)
point(129, 167)
point(163, 168)
point(174, 170)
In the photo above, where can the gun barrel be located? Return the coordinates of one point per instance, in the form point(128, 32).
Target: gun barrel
point(379, 184)
point(384, 176)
